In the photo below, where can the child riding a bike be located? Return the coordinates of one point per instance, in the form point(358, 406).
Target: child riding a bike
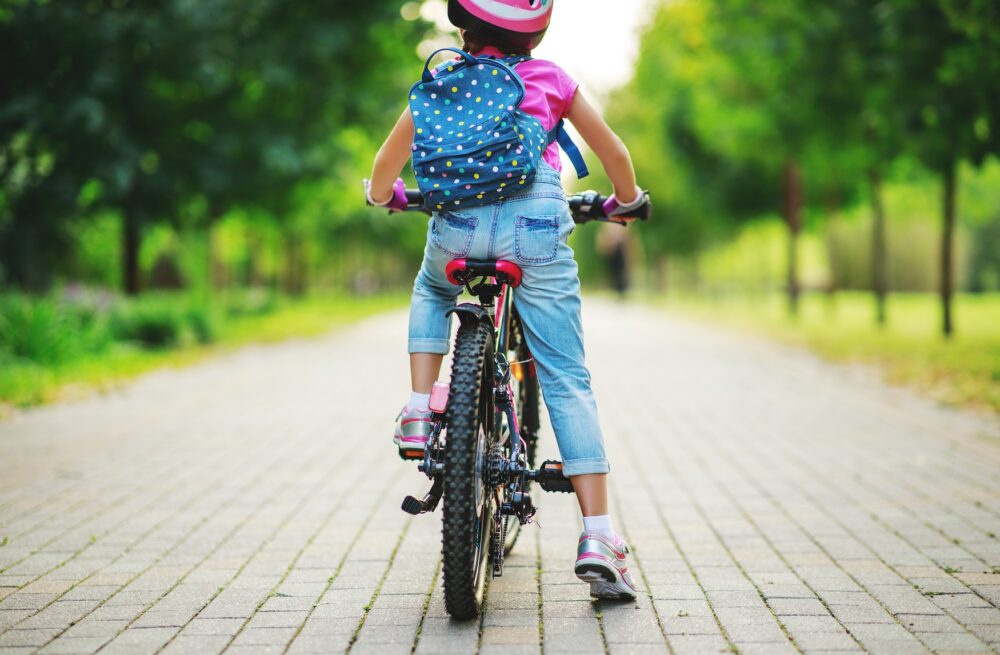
point(521, 216)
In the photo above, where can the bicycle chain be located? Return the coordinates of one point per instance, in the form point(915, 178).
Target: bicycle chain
point(499, 528)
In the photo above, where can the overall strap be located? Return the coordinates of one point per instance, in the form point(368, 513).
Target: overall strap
point(514, 60)
point(559, 133)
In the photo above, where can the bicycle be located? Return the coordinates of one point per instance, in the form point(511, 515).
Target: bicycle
point(480, 455)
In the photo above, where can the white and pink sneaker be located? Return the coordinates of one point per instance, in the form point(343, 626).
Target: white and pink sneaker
point(413, 428)
point(601, 562)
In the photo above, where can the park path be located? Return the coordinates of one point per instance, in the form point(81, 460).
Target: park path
point(775, 504)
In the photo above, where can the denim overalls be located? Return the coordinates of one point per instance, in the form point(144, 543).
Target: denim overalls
point(531, 230)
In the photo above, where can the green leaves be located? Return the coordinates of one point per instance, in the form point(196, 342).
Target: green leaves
point(155, 103)
point(725, 91)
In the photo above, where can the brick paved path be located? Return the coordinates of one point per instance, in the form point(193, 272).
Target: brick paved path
point(251, 504)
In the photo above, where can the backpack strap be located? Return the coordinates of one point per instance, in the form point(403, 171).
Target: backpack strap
point(559, 133)
point(429, 77)
point(514, 60)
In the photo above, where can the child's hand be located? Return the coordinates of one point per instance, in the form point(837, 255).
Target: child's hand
point(397, 201)
point(614, 208)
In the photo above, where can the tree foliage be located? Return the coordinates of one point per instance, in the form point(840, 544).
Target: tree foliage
point(151, 108)
point(739, 108)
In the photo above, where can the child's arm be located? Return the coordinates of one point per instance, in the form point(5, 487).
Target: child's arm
point(391, 158)
point(607, 146)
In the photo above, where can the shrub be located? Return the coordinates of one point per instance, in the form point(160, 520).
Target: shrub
point(38, 330)
point(164, 321)
point(202, 323)
point(253, 302)
point(148, 323)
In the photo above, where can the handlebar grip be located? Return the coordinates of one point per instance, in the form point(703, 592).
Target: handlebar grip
point(414, 197)
point(587, 206)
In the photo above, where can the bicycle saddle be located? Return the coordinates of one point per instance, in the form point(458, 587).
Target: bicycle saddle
point(460, 271)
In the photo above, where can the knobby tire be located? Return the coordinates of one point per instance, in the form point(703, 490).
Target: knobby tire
point(470, 409)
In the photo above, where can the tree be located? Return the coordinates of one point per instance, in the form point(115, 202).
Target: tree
point(946, 97)
point(148, 104)
point(701, 193)
point(769, 96)
point(854, 133)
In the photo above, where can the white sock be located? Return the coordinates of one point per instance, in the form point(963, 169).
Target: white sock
point(418, 402)
point(599, 524)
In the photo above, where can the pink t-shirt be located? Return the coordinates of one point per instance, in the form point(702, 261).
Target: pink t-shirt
point(549, 92)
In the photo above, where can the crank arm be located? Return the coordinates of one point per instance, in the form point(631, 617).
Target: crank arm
point(413, 506)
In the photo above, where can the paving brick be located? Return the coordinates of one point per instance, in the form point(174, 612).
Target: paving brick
point(27, 637)
point(93, 628)
point(73, 645)
point(798, 607)
point(318, 645)
point(690, 625)
point(140, 640)
point(584, 640)
point(810, 641)
point(698, 644)
point(196, 644)
point(924, 623)
point(264, 637)
point(766, 648)
point(953, 642)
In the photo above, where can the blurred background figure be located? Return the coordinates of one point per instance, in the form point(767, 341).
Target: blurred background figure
point(613, 246)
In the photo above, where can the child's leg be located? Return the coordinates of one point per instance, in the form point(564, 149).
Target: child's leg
point(424, 371)
point(429, 330)
point(592, 493)
point(548, 302)
point(430, 324)
point(549, 305)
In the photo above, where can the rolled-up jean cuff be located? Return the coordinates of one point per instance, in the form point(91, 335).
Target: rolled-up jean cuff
point(585, 466)
point(432, 346)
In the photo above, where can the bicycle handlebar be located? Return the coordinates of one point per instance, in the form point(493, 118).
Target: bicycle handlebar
point(585, 207)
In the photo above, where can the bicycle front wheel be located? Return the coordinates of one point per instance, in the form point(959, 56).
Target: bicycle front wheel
point(468, 500)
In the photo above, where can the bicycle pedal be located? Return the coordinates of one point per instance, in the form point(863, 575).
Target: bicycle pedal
point(552, 478)
point(413, 506)
point(411, 455)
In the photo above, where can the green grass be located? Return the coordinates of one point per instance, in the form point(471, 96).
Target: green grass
point(37, 366)
point(910, 350)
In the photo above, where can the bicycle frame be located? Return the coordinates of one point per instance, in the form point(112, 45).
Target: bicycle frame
point(496, 298)
point(520, 503)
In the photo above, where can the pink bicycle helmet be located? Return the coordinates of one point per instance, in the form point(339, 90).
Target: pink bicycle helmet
point(518, 22)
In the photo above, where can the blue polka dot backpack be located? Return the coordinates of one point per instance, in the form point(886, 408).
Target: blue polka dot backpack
point(472, 143)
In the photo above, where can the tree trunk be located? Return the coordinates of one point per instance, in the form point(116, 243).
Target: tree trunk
point(880, 269)
point(793, 218)
point(295, 283)
point(833, 203)
point(947, 248)
point(255, 253)
point(219, 278)
point(131, 237)
point(663, 275)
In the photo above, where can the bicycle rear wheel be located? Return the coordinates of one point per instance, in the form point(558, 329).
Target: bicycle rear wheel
point(468, 501)
point(525, 388)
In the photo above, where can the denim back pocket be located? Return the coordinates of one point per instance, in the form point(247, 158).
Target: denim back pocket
point(536, 239)
point(453, 232)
